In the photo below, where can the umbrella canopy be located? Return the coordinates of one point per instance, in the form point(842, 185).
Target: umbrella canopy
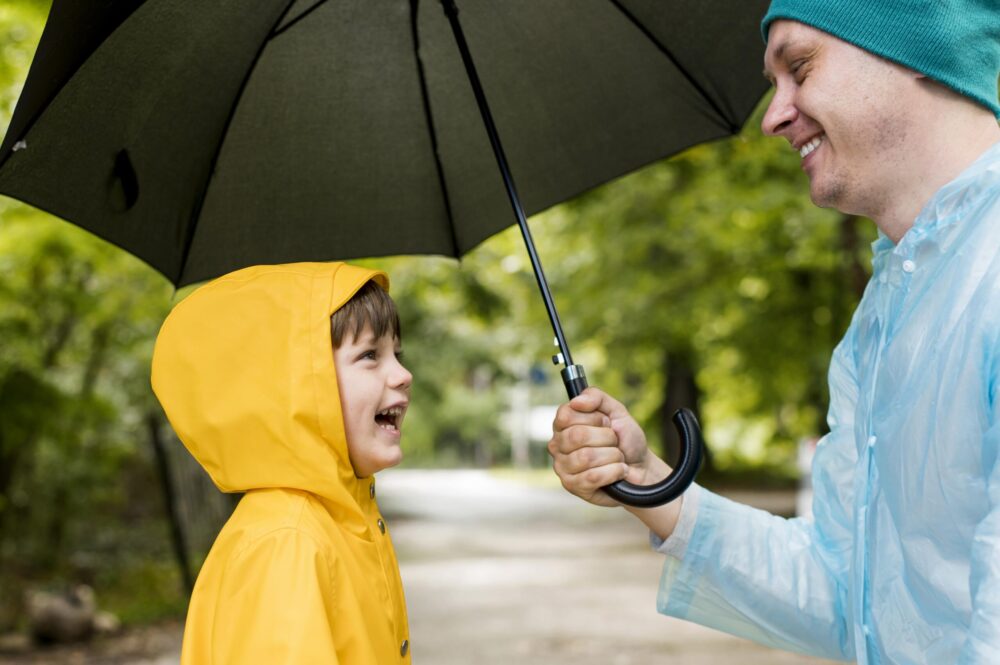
point(208, 136)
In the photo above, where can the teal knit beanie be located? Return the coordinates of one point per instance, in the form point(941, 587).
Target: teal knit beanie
point(955, 42)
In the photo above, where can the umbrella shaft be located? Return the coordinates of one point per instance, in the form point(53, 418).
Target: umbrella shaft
point(451, 10)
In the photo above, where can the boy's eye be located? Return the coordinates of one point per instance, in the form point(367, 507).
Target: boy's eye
point(368, 355)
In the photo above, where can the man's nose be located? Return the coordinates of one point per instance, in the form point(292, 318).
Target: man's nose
point(780, 114)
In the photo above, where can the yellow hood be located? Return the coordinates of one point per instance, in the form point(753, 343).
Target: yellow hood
point(244, 370)
point(304, 571)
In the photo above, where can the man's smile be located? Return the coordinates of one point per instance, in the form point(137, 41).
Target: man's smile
point(809, 146)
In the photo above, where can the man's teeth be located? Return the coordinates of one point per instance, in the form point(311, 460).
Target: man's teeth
point(809, 147)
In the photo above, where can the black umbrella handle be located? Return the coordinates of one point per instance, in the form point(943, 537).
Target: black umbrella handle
point(688, 463)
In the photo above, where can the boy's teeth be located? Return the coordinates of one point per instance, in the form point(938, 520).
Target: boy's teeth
point(389, 417)
point(809, 147)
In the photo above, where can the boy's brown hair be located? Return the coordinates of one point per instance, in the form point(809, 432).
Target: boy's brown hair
point(372, 306)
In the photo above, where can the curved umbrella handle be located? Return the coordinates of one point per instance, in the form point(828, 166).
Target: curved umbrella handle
point(688, 463)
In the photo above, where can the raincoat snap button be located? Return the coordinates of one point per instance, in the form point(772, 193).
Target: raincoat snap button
point(871, 440)
point(404, 647)
point(909, 266)
point(381, 525)
point(371, 490)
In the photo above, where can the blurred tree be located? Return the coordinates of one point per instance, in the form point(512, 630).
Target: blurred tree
point(77, 320)
point(708, 281)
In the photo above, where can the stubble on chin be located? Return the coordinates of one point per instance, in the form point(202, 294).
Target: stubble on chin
point(834, 193)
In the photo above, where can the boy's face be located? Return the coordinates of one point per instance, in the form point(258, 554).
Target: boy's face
point(374, 394)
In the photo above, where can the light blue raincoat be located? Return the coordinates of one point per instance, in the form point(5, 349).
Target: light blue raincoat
point(901, 562)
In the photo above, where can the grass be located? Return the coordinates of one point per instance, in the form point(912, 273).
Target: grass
point(144, 592)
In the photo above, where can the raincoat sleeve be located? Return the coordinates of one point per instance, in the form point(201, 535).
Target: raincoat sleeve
point(276, 604)
point(983, 642)
point(779, 582)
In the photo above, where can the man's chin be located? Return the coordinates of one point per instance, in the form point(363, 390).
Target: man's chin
point(827, 196)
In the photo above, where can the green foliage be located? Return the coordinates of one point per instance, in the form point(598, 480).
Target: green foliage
point(716, 258)
point(77, 321)
point(719, 257)
point(712, 268)
point(146, 590)
point(20, 29)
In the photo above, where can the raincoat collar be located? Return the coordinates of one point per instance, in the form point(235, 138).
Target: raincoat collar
point(948, 205)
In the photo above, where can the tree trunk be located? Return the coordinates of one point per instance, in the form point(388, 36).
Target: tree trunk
point(680, 391)
point(166, 483)
point(850, 243)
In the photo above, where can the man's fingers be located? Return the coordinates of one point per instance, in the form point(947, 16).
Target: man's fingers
point(601, 402)
point(588, 483)
point(594, 440)
point(591, 400)
point(584, 459)
point(582, 436)
point(569, 415)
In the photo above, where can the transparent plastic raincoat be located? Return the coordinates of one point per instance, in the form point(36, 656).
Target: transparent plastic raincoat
point(901, 562)
point(304, 571)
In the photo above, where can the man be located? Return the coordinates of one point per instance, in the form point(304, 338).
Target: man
point(893, 107)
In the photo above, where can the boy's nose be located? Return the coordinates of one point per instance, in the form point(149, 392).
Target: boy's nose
point(400, 377)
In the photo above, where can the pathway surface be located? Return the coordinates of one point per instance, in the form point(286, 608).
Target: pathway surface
point(500, 571)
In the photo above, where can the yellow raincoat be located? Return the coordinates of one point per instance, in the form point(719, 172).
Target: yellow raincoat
point(304, 571)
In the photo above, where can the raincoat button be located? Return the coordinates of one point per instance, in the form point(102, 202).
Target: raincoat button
point(371, 490)
point(404, 647)
point(909, 266)
point(381, 525)
point(871, 440)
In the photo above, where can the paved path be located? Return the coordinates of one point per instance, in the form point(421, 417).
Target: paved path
point(497, 572)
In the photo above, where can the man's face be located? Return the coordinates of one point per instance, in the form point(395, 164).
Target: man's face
point(374, 395)
point(844, 110)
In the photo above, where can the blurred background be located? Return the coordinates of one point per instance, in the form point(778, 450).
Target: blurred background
point(707, 281)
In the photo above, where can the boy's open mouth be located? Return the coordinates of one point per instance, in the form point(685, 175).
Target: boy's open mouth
point(390, 418)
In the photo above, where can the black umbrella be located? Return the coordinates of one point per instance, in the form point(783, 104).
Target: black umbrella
point(208, 135)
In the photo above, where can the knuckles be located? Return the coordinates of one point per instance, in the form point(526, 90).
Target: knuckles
point(584, 458)
point(564, 418)
point(593, 478)
point(576, 437)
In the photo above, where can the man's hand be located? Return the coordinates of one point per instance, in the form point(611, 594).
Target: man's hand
point(596, 442)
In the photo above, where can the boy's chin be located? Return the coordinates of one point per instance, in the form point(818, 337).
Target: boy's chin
point(373, 466)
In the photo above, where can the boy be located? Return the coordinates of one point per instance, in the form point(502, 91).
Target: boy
point(284, 383)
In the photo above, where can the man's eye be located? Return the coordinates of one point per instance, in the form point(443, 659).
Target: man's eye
point(798, 69)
